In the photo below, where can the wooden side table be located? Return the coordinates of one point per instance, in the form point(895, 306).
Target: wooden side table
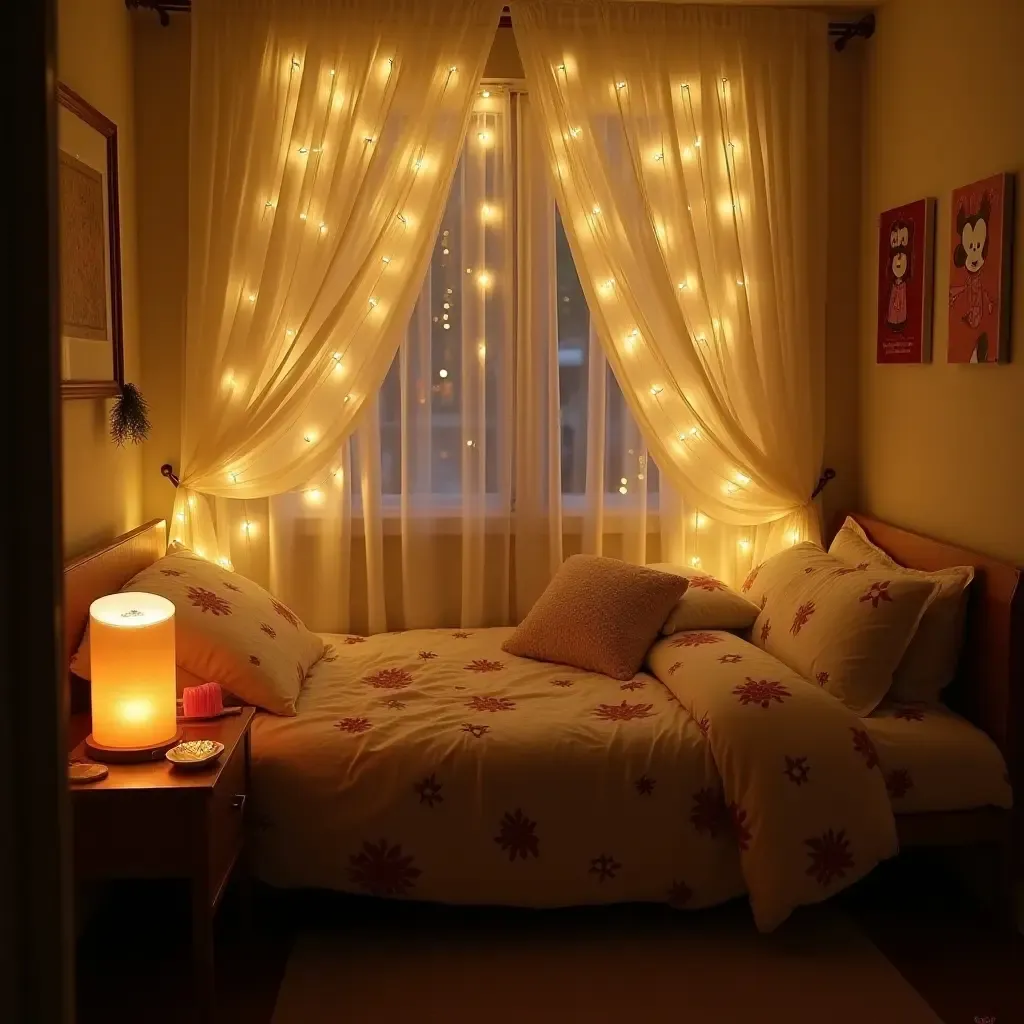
point(151, 820)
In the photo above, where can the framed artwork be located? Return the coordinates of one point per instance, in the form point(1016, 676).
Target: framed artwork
point(92, 351)
point(980, 271)
point(905, 263)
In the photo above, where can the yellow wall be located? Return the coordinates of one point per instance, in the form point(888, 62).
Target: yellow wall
point(102, 496)
point(161, 109)
point(941, 446)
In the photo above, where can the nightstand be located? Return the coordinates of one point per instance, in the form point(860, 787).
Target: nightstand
point(151, 820)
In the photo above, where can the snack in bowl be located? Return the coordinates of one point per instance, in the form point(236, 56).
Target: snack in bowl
point(195, 753)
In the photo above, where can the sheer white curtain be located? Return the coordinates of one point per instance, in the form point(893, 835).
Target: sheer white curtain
point(413, 528)
point(687, 152)
point(584, 478)
point(324, 135)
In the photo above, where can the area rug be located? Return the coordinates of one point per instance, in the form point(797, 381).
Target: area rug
point(616, 965)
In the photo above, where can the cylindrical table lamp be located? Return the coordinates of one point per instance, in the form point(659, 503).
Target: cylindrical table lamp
point(133, 678)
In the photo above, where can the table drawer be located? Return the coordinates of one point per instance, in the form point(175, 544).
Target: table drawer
point(227, 817)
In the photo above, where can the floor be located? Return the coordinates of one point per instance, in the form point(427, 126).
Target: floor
point(130, 970)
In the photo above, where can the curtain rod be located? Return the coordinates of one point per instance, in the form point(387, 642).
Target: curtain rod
point(841, 32)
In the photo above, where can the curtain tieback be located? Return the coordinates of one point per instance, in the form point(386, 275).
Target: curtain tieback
point(827, 476)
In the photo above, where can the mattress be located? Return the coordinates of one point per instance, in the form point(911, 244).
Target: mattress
point(934, 760)
point(431, 765)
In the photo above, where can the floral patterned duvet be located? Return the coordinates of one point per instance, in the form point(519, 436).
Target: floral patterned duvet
point(431, 765)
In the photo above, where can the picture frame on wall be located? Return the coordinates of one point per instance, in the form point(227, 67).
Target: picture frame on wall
point(981, 271)
point(91, 340)
point(906, 238)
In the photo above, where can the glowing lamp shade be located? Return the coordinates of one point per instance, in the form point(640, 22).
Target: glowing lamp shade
point(133, 677)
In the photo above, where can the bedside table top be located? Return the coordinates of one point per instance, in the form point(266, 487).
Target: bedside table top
point(160, 774)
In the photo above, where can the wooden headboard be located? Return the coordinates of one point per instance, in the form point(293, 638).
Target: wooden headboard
point(100, 573)
point(989, 687)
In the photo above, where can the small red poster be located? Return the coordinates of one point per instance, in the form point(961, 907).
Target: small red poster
point(905, 262)
point(981, 240)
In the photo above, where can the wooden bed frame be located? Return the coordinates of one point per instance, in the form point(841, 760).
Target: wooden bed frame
point(988, 690)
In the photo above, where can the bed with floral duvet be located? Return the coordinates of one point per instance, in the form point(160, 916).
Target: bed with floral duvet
point(431, 765)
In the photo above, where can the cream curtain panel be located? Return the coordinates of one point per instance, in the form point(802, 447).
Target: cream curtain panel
point(687, 148)
point(324, 136)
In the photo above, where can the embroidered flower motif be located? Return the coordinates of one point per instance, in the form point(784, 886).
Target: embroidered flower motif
point(739, 826)
point(633, 684)
point(427, 655)
point(766, 631)
point(349, 640)
point(208, 601)
point(172, 572)
point(475, 730)
point(389, 679)
point(844, 571)
point(491, 704)
point(821, 678)
point(704, 724)
point(285, 612)
point(803, 613)
point(710, 813)
point(761, 691)
point(382, 870)
point(329, 654)
point(863, 566)
point(429, 790)
point(353, 724)
point(730, 659)
point(622, 712)
point(674, 667)
point(830, 856)
point(706, 583)
point(898, 783)
point(877, 592)
point(751, 576)
point(394, 703)
point(909, 713)
point(865, 746)
point(645, 785)
point(483, 665)
point(253, 660)
point(231, 586)
point(460, 635)
point(265, 627)
point(561, 682)
point(680, 894)
point(695, 639)
point(763, 602)
point(605, 866)
point(797, 770)
point(517, 836)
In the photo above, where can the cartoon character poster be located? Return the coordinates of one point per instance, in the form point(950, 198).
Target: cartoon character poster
point(981, 239)
point(905, 262)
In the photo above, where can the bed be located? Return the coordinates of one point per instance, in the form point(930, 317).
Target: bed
point(432, 765)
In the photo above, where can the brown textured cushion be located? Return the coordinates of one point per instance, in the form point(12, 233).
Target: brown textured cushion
point(598, 614)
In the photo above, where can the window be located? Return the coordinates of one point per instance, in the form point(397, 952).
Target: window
point(447, 406)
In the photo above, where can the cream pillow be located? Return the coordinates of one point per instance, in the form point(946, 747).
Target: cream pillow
point(707, 603)
point(597, 614)
point(929, 663)
point(228, 630)
point(845, 628)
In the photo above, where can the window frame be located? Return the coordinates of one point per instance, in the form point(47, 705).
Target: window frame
point(443, 510)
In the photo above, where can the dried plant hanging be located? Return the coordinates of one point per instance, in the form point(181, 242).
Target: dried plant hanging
point(129, 420)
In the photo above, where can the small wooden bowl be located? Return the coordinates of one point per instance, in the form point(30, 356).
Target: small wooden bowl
point(195, 753)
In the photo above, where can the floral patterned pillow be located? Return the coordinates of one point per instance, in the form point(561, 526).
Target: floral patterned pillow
point(707, 603)
point(228, 630)
point(844, 627)
point(930, 661)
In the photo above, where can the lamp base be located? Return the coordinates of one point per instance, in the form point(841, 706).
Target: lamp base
point(128, 755)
